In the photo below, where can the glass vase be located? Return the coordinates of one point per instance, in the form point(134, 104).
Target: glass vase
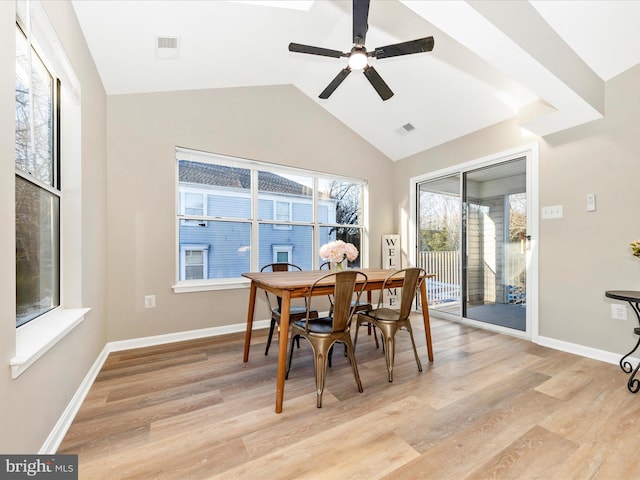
point(337, 266)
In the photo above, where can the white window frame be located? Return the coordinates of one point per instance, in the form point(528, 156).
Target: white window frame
point(288, 249)
point(183, 286)
point(204, 248)
point(188, 220)
point(35, 338)
point(282, 226)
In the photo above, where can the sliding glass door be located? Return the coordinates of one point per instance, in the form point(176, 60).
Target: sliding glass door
point(494, 229)
point(439, 240)
point(472, 233)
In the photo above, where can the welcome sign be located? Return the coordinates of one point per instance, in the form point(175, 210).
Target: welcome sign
point(391, 261)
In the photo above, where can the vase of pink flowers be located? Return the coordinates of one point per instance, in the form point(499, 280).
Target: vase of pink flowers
point(338, 253)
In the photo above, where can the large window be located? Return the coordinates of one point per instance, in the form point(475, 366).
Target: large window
point(37, 185)
point(250, 213)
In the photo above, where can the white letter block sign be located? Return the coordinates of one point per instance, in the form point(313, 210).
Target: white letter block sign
point(391, 252)
point(391, 261)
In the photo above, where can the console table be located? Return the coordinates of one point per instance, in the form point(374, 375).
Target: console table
point(633, 298)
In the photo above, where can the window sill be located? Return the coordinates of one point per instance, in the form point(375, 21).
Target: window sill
point(189, 286)
point(36, 337)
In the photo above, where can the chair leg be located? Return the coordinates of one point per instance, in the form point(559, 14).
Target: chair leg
point(389, 355)
point(348, 346)
point(388, 333)
point(355, 340)
point(375, 335)
point(290, 357)
point(271, 328)
point(320, 364)
point(415, 350)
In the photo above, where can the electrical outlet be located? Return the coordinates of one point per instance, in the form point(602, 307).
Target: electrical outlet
point(618, 311)
point(149, 301)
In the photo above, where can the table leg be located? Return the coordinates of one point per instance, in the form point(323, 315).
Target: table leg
point(633, 384)
point(283, 338)
point(247, 335)
point(425, 317)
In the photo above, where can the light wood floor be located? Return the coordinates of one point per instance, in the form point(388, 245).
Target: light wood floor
point(489, 406)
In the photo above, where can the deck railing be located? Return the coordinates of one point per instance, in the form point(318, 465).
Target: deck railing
point(445, 287)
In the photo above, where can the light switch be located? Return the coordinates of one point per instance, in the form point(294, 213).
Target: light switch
point(591, 202)
point(554, 211)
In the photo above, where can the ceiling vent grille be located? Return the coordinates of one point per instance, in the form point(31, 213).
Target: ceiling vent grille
point(167, 47)
point(408, 127)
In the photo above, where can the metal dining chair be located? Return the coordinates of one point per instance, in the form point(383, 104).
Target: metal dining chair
point(296, 312)
point(322, 333)
point(389, 320)
point(360, 305)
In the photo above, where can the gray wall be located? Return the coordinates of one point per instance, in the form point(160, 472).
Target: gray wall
point(276, 124)
point(584, 253)
point(31, 404)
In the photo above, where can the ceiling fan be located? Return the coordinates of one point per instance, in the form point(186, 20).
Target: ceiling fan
point(358, 55)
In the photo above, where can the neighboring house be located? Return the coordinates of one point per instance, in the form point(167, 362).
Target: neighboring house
point(217, 244)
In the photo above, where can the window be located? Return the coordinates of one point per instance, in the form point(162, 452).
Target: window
point(282, 213)
point(193, 204)
point(195, 262)
point(282, 253)
point(37, 184)
point(48, 224)
point(254, 213)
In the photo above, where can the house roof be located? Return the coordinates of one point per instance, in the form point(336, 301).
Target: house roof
point(233, 177)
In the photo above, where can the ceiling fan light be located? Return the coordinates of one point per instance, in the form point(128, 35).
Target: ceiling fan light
point(357, 60)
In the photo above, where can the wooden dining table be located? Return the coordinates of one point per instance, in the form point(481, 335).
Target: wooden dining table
point(289, 285)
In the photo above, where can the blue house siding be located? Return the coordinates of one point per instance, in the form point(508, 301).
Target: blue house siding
point(228, 206)
point(226, 194)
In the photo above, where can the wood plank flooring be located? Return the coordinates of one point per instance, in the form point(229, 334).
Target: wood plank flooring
point(489, 406)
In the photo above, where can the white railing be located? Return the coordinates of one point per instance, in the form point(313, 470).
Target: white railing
point(445, 287)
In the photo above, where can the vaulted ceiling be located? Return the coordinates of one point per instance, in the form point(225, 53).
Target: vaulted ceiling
point(543, 62)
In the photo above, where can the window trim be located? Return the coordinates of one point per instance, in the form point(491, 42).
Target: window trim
point(186, 154)
point(54, 187)
point(35, 338)
point(283, 224)
point(199, 247)
point(288, 249)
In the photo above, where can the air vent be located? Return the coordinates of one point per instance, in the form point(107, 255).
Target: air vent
point(408, 127)
point(167, 47)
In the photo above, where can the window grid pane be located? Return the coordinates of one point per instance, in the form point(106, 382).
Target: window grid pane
point(34, 149)
point(37, 251)
point(37, 209)
point(285, 221)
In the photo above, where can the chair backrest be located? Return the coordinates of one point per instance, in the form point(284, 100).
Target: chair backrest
point(345, 289)
point(278, 267)
point(413, 278)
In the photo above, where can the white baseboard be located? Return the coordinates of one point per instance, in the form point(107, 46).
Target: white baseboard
point(588, 352)
point(182, 336)
point(61, 427)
